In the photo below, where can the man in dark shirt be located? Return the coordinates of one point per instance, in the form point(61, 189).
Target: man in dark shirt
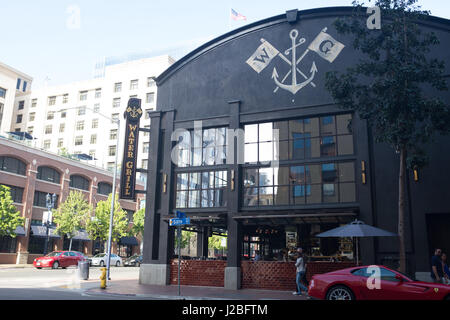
point(436, 266)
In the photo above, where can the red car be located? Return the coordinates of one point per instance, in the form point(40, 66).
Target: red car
point(373, 283)
point(58, 259)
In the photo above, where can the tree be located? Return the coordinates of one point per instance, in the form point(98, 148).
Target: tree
point(395, 88)
point(138, 222)
point(98, 226)
point(10, 218)
point(71, 215)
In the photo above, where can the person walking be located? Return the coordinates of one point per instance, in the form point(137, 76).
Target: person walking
point(437, 272)
point(445, 268)
point(301, 270)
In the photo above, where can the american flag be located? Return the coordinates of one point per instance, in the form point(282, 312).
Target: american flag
point(237, 16)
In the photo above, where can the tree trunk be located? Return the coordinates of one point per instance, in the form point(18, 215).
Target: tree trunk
point(401, 210)
point(70, 245)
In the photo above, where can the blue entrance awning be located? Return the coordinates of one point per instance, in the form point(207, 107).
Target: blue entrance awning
point(128, 241)
point(40, 231)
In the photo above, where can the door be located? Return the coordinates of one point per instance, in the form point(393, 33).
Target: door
point(64, 260)
point(73, 258)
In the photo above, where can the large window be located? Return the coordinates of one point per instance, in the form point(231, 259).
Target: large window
point(208, 147)
point(79, 182)
point(12, 165)
point(104, 188)
point(331, 182)
point(48, 174)
point(299, 139)
point(16, 193)
point(40, 199)
point(201, 189)
point(2, 92)
point(8, 244)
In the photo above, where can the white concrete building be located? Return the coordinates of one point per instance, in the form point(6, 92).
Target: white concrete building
point(75, 117)
point(14, 95)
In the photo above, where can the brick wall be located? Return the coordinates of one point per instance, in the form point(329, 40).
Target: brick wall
point(270, 275)
point(208, 273)
point(8, 258)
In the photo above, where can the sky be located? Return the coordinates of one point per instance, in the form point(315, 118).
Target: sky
point(60, 41)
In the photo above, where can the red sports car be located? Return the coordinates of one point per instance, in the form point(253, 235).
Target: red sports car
point(58, 259)
point(373, 283)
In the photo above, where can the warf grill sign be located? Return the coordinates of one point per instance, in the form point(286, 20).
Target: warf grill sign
point(132, 115)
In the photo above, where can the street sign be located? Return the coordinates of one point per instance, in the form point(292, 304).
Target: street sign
point(179, 221)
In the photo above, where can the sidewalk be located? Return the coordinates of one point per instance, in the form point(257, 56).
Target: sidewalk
point(127, 288)
point(15, 266)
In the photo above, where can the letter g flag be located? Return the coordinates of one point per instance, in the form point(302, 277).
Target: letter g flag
point(262, 56)
point(326, 46)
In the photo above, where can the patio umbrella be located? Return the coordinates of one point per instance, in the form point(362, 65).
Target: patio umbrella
point(356, 229)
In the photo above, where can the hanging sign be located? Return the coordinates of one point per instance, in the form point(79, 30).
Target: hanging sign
point(132, 116)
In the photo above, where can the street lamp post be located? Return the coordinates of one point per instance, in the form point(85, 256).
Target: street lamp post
point(50, 203)
point(113, 196)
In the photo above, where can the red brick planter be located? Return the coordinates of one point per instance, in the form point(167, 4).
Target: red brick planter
point(209, 273)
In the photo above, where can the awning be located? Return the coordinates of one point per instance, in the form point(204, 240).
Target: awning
point(40, 231)
point(81, 235)
point(128, 241)
point(20, 231)
point(291, 219)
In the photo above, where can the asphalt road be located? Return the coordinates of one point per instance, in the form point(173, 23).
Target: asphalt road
point(62, 284)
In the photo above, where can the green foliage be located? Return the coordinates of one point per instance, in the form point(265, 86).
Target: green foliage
point(72, 214)
point(186, 237)
point(10, 218)
point(215, 242)
point(98, 226)
point(138, 222)
point(395, 88)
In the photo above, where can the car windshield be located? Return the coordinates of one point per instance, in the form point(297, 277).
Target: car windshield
point(54, 254)
point(100, 255)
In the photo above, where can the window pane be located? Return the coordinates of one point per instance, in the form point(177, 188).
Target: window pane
point(347, 192)
point(219, 198)
point(299, 193)
point(266, 196)
point(194, 180)
point(250, 196)
point(281, 150)
point(281, 176)
point(250, 177)
point(342, 122)
point(221, 179)
point(208, 180)
point(345, 144)
point(283, 129)
point(314, 193)
point(297, 175)
point(327, 125)
point(265, 132)
point(266, 177)
point(281, 195)
point(328, 146)
point(182, 181)
point(298, 149)
point(207, 198)
point(311, 126)
point(330, 193)
point(346, 171)
point(221, 136)
point(329, 173)
point(194, 199)
point(265, 151)
point(295, 128)
point(197, 157)
point(312, 148)
point(251, 133)
point(181, 199)
point(251, 153)
point(313, 174)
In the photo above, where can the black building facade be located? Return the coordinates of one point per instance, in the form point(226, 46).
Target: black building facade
point(303, 166)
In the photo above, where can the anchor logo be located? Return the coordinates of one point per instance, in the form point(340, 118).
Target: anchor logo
point(324, 45)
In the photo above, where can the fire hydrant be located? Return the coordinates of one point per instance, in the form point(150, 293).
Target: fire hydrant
point(103, 279)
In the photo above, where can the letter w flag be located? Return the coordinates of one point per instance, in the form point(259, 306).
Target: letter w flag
point(262, 56)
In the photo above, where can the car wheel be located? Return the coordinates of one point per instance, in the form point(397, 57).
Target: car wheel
point(55, 265)
point(340, 293)
point(118, 264)
point(447, 298)
point(102, 264)
point(38, 267)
